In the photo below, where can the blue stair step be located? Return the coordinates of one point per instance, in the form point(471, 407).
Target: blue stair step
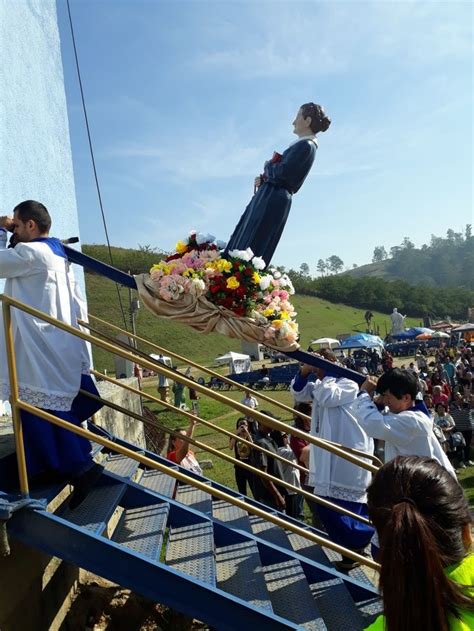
point(233, 516)
point(239, 572)
point(158, 482)
point(191, 550)
point(195, 498)
point(121, 465)
point(268, 531)
point(141, 529)
point(291, 596)
point(98, 507)
point(328, 592)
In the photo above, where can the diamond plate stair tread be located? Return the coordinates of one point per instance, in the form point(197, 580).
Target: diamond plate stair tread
point(141, 529)
point(291, 596)
point(347, 615)
point(268, 531)
point(195, 498)
point(191, 550)
point(368, 608)
point(98, 507)
point(158, 482)
point(233, 516)
point(239, 572)
point(121, 465)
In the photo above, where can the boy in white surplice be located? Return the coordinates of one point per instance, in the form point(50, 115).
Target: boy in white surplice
point(49, 361)
point(332, 477)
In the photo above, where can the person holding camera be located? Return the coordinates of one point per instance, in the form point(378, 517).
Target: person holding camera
point(242, 453)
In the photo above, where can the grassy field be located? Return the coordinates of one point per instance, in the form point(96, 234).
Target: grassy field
point(316, 318)
point(225, 417)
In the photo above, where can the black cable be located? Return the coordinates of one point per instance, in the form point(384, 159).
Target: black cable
point(93, 159)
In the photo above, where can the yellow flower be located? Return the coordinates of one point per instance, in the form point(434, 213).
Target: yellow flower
point(223, 266)
point(256, 278)
point(155, 267)
point(181, 247)
point(284, 315)
point(232, 283)
point(277, 323)
point(267, 312)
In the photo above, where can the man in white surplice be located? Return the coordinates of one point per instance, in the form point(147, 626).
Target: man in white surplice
point(333, 477)
point(49, 361)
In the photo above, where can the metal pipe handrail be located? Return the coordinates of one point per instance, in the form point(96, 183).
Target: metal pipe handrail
point(232, 460)
point(202, 421)
point(182, 477)
point(211, 372)
point(18, 405)
point(173, 375)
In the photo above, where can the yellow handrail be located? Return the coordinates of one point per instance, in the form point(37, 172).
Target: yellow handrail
point(209, 371)
point(239, 463)
point(202, 421)
point(181, 477)
point(175, 376)
point(17, 405)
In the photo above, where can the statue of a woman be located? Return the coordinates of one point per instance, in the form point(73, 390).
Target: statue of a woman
point(262, 223)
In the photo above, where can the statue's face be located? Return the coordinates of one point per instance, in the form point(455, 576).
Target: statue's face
point(301, 125)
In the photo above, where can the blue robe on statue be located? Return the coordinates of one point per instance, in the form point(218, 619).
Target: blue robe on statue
point(262, 223)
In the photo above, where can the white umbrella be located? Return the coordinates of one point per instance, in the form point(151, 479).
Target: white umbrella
point(326, 340)
point(440, 334)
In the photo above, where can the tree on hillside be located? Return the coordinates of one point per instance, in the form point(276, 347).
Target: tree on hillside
point(304, 269)
point(380, 254)
point(321, 267)
point(335, 264)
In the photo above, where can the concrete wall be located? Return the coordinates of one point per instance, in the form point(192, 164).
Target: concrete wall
point(118, 424)
point(35, 150)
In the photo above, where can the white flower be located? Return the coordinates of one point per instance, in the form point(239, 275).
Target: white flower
point(265, 282)
point(286, 282)
point(276, 274)
point(243, 255)
point(197, 286)
point(258, 262)
point(221, 244)
point(204, 238)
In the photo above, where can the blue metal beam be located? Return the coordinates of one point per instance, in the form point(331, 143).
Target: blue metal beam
point(132, 570)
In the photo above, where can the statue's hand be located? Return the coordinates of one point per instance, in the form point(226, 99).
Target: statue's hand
point(258, 181)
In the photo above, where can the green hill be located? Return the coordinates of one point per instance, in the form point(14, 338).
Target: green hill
point(316, 317)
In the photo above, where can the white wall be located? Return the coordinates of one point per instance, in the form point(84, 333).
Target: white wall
point(35, 150)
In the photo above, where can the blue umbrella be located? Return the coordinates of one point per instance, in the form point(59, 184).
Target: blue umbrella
point(362, 340)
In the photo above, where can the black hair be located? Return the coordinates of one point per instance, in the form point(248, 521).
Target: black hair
point(305, 408)
point(277, 436)
point(399, 382)
point(319, 120)
point(420, 513)
point(34, 211)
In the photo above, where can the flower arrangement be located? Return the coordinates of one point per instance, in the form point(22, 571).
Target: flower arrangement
point(239, 283)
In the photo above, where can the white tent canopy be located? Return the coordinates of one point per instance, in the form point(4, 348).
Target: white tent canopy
point(237, 362)
point(326, 341)
point(163, 358)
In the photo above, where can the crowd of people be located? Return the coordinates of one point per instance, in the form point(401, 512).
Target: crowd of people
point(420, 526)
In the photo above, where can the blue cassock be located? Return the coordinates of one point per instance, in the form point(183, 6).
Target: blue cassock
point(262, 223)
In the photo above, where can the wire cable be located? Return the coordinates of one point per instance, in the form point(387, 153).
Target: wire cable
point(91, 150)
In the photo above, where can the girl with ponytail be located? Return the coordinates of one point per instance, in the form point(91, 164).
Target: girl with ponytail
point(424, 527)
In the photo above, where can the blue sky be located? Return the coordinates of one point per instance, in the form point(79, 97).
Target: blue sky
point(187, 99)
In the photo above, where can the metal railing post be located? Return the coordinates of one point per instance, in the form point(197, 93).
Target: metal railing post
point(14, 398)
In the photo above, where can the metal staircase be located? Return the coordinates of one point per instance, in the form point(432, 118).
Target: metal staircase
point(203, 557)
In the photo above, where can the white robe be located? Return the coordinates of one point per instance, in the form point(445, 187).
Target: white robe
point(48, 360)
point(332, 419)
point(409, 433)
